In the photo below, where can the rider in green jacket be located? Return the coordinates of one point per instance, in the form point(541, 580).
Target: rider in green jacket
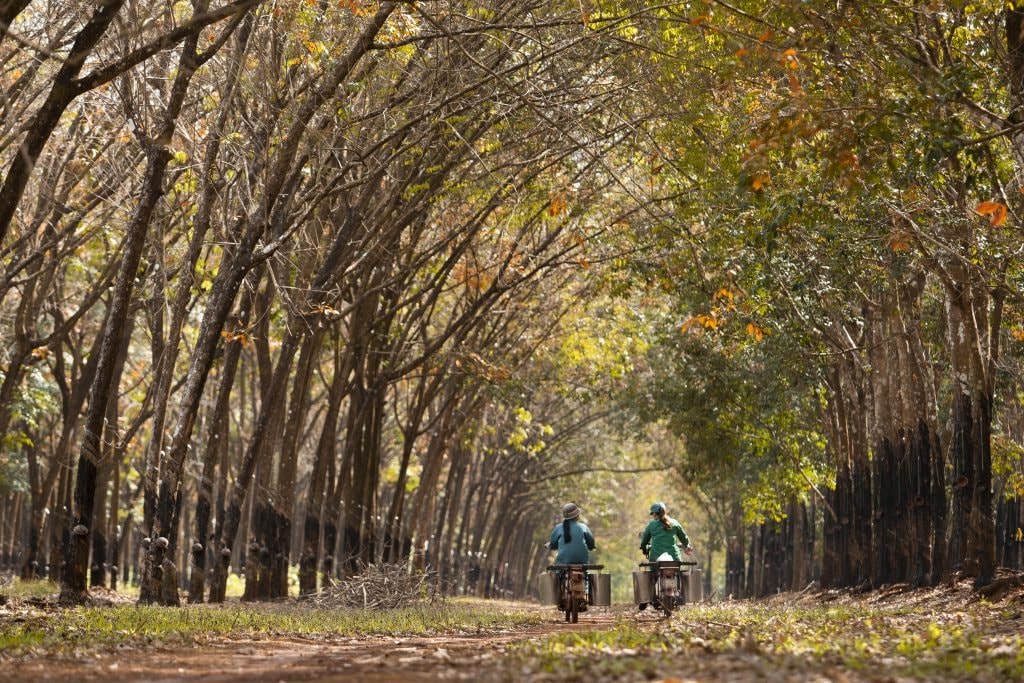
point(660, 535)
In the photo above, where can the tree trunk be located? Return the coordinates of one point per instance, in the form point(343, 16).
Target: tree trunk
point(217, 443)
point(972, 543)
point(325, 453)
point(228, 528)
point(285, 491)
point(73, 586)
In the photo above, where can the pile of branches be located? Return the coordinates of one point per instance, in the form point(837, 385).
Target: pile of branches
point(379, 586)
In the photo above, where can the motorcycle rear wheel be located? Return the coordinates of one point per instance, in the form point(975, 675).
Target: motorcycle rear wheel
point(667, 603)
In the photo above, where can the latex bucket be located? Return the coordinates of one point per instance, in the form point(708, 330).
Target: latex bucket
point(602, 593)
point(641, 587)
point(695, 586)
point(547, 584)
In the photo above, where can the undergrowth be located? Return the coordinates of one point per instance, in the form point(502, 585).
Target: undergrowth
point(976, 643)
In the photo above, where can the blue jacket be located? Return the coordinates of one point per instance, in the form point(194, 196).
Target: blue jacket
point(577, 549)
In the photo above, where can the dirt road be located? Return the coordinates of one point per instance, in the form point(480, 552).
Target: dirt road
point(372, 659)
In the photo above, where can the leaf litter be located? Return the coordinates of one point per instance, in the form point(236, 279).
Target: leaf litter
point(899, 634)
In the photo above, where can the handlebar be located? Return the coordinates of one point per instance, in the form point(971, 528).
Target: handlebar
point(670, 563)
point(556, 567)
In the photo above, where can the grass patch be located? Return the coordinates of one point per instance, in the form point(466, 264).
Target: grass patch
point(16, 589)
point(85, 628)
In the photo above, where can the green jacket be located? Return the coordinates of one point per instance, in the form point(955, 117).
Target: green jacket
point(657, 539)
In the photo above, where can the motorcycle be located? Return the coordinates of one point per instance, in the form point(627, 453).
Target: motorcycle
point(576, 588)
point(665, 583)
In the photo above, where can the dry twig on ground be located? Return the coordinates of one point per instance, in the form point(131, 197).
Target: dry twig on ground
point(383, 586)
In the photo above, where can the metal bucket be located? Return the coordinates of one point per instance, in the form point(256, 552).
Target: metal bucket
point(695, 586)
point(547, 584)
point(641, 587)
point(601, 595)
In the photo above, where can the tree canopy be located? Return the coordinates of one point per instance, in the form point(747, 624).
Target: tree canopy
point(331, 284)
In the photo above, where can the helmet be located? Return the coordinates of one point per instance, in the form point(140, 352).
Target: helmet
point(570, 511)
point(657, 507)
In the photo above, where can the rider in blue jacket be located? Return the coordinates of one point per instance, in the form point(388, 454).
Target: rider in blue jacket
point(571, 538)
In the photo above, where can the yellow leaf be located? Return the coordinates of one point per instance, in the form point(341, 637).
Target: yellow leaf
point(755, 331)
point(726, 295)
point(1017, 333)
point(996, 212)
point(710, 322)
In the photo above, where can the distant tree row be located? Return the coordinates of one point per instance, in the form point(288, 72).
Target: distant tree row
point(843, 342)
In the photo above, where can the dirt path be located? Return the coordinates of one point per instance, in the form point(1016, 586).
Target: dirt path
point(373, 659)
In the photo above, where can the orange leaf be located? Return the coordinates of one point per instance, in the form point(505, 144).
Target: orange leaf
point(899, 241)
point(996, 212)
point(697, 21)
point(759, 181)
point(755, 331)
point(743, 52)
point(848, 158)
point(558, 205)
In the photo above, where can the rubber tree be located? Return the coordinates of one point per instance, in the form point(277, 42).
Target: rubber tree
point(73, 587)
